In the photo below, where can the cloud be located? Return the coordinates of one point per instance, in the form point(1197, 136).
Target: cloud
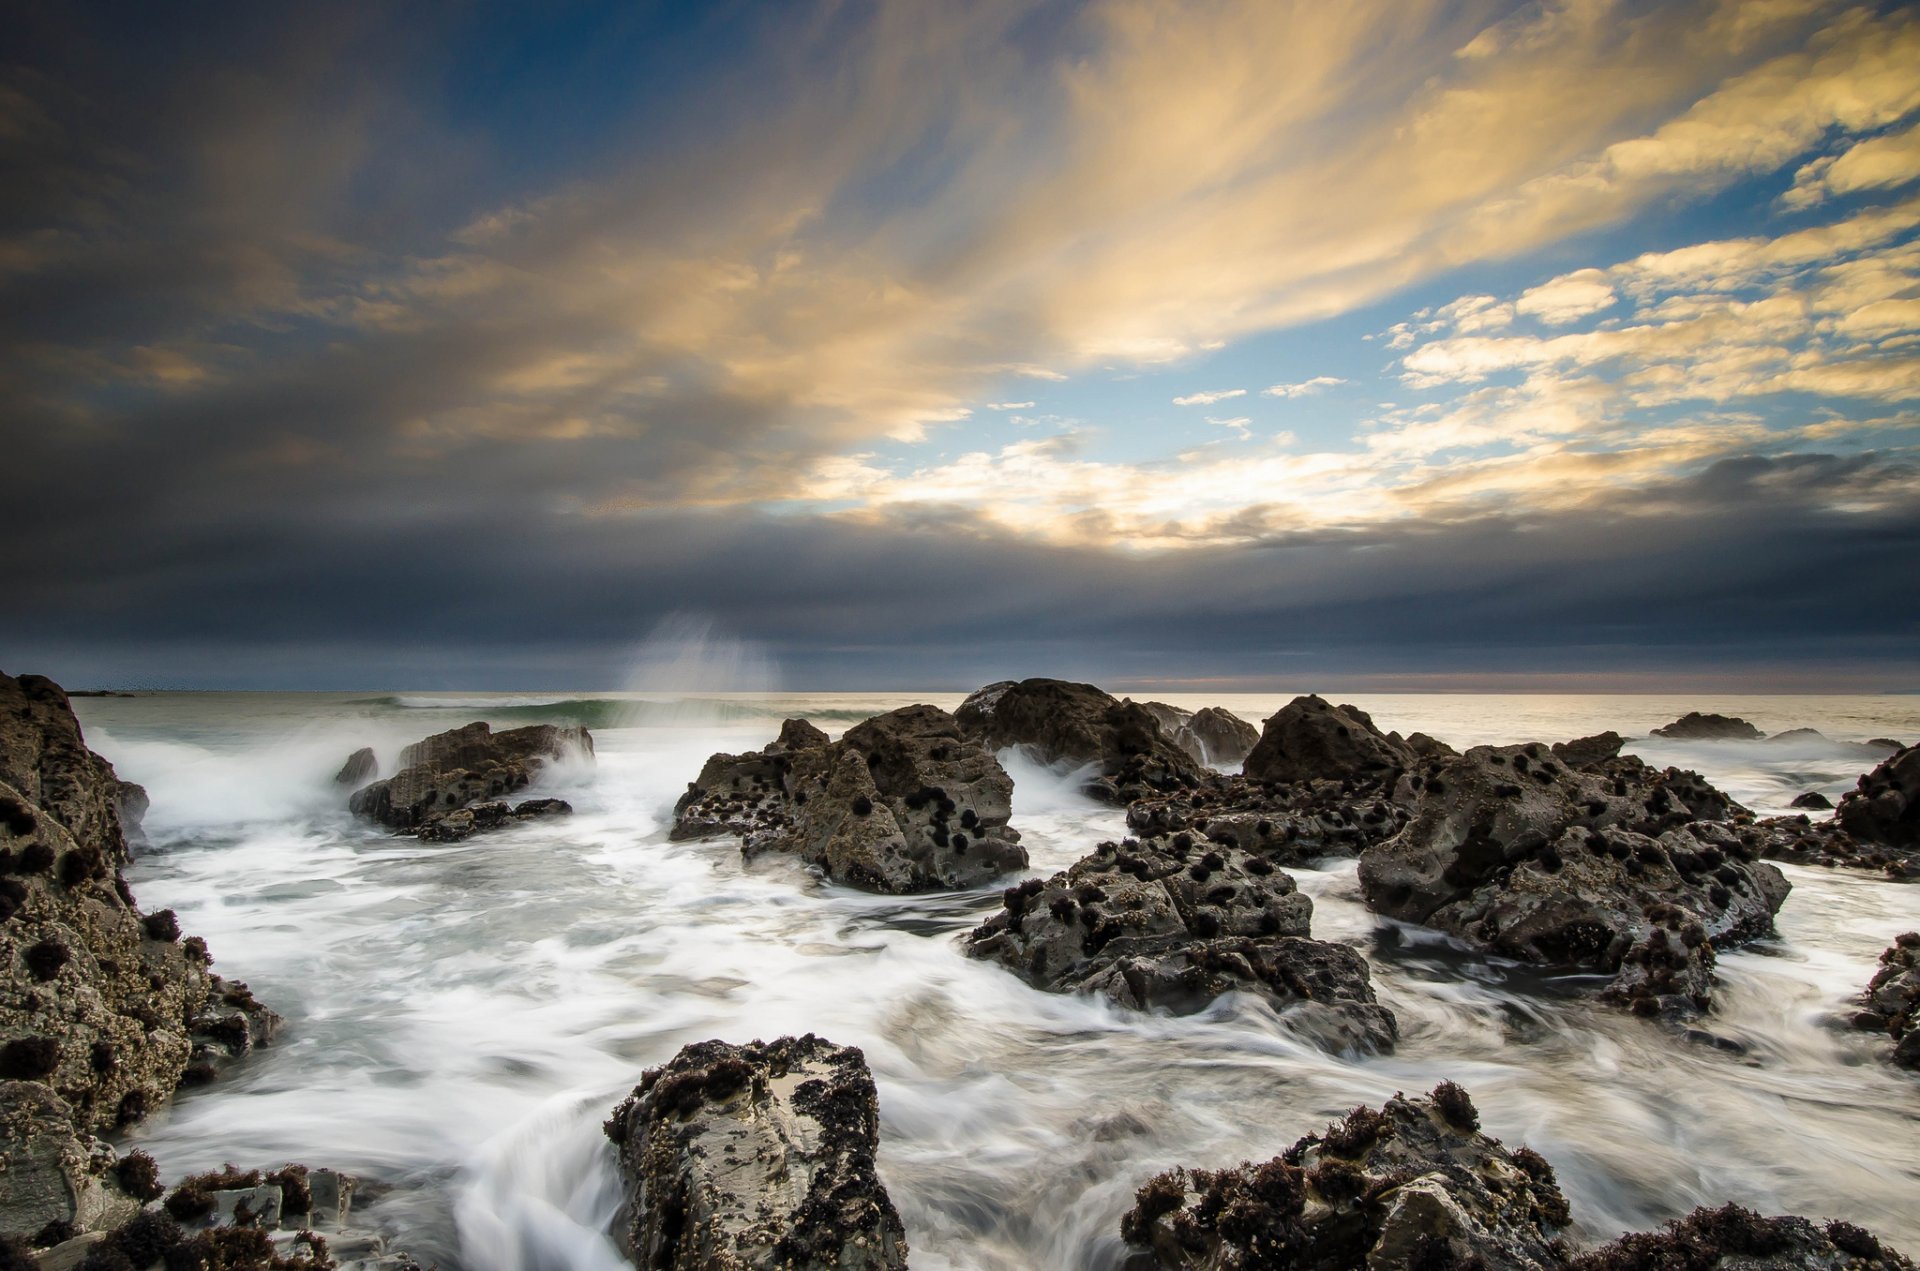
point(1009, 405)
point(1304, 388)
point(1567, 298)
point(1208, 399)
point(1239, 424)
point(1878, 163)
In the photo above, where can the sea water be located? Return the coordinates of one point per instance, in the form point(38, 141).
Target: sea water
point(461, 1018)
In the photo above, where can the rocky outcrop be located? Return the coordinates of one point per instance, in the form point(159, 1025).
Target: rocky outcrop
point(54, 1178)
point(462, 823)
point(1694, 726)
point(1175, 922)
point(1078, 724)
point(1738, 1239)
point(1213, 737)
point(1291, 825)
point(1589, 752)
point(902, 803)
point(1804, 841)
point(1885, 807)
point(1627, 869)
point(1892, 1001)
point(1311, 739)
point(450, 771)
point(108, 1008)
point(757, 1156)
point(1410, 1187)
point(361, 767)
point(1813, 801)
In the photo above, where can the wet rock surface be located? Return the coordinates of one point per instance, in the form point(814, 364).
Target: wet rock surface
point(1411, 1185)
point(1885, 807)
point(1624, 869)
point(1290, 824)
point(108, 1008)
point(1732, 1237)
point(1174, 922)
point(1695, 726)
point(449, 772)
point(1891, 1003)
point(902, 803)
point(1311, 739)
point(755, 1156)
point(1078, 724)
point(1212, 736)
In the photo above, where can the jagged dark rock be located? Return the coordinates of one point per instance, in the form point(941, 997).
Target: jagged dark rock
point(1310, 739)
point(1211, 736)
point(464, 766)
point(1812, 800)
point(50, 1171)
point(109, 1009)
point(1293, 824)
point(1413, 1186)
point(1174, 922)
point(361, 767)
point(1826, 843)
point(1891, 1003)
point(1885, 807)
point(1740, 1240)
point(1626, 869)
point(462, 823)
point(755, 1156)
point(902, 803)
point(1694, 726)
point(1078, 724)
point(1589, 752)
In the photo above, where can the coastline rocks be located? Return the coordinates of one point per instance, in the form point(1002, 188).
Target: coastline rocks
point(1063, 722)
point(1290, 825)
point(1410, 1187)
point(1812, 800)
point(53, 1177)
point(1694, 726)
point(1736, 1238)
point(1892, 1000)
point(1174, 923)
point(1309, 738)
point(1885, 806)
point(902, 803)
point(1589, 752)
point(360, 768)
point(461, 823)
point(1627, 870)
point(452, 770)
point(755, 1156)
point(110, 1009)
point(1211, 735)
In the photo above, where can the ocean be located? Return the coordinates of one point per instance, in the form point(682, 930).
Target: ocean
point(461, 1018)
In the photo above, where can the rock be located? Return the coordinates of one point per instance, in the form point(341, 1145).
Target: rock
point(1740, 1240)
point(1798, 736)
point(360, 768)
point(1885, 743)
point(903, 803)
point(1289, 824)
point(1885, 806)
point(1078, 724)
point(1211, 736)
point(755, 1156)
point(1827, 843)
point(1411, 1187)
point(1589, 752)
point(451, 827)
point(455, 769)
point(1812, 799)
point(1310, 739)
point(109, 1008)
point(1693, 726)
point(51, 1174)
point(1627, 870)
point(1892, 1000)
point(1175, 922)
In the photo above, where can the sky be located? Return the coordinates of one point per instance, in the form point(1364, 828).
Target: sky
point(1395, 345)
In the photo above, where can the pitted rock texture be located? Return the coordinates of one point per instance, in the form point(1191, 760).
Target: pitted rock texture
point(1892, 999)
point(1410, 1187)
point(1885, 807)
point(1826, 843)
point(1175, 922)
point(1212, 736)
point(1311, 739)
point(1625, 869)
point(110, 1009)
point(1078, 724)
point(50, 1173)
point(449, 771)
point(902, 803)
point(1694, 726)
point(1293, 824)
point(1734, 1239)
point(755, 1157)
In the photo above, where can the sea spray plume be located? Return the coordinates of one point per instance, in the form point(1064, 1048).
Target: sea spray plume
point(689, 654)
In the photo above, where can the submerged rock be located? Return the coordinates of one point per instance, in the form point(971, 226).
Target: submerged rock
point(448, 771)
point(1411, 1187)
point(109, 1008)
point(1736, 1238)
point(1812, 800)
point(1624, 869)
point(1078, 724)
point(1211, 736)
point(902, 803)
point(1694, 726)
point(757, 1156)
point(1892, 1000)
point(461, 823)
point(1175, 922)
